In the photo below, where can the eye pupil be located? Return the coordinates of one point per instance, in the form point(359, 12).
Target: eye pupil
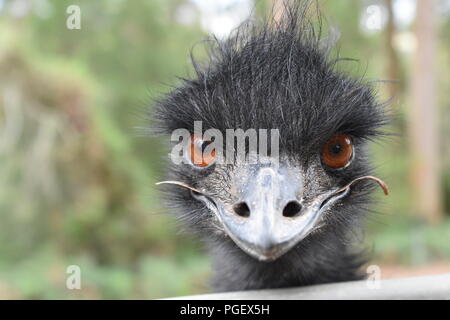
point(337, 151)
point(204, 144)
point(335, 148)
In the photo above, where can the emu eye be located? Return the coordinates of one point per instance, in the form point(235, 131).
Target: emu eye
point(197, 153)
point(337, 151)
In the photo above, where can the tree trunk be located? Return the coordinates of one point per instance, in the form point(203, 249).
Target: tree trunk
point(423, 133)
point(393, 63)
point(278, 9)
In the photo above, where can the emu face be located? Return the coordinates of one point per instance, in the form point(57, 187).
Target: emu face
point(267, 208)
point(273, 77)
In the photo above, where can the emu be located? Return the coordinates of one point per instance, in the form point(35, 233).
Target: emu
point(284, 223)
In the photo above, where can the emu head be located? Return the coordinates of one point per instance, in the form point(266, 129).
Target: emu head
point(313, 177)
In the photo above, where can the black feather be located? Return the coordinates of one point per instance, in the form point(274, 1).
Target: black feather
point(276, 75)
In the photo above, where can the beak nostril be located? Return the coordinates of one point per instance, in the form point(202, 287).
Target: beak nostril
point(242, 209)
point(292, 209)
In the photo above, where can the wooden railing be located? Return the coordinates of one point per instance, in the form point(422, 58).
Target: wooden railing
point(423, 287)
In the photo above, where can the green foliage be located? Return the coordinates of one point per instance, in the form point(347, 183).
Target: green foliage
point(77, 183)
point(412, 243)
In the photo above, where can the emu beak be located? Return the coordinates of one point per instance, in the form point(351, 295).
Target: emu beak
point(268, 220)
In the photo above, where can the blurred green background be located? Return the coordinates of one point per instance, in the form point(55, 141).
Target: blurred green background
point(77, 177)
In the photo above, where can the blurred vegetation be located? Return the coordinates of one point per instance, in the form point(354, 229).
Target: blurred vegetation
point(76, 178)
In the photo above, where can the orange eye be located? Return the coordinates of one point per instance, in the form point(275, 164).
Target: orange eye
point(337, 151)
point(198, 153)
